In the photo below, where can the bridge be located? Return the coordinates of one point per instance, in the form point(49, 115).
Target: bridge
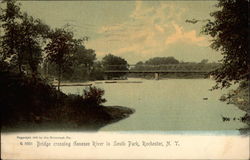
point(157, 69)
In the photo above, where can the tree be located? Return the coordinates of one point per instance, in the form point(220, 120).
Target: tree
point(98, 71)
point(10, 40)
point(204, 61)
point(229, 31)
point(60, 49)
point(161, 61)
point(112, 62)
point(33, 32)
point(79, 65)
point(22, 37)
point(84, 58)
point(139, 63)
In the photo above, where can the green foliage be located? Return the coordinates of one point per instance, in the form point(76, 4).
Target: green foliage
point(204, 61)
point(112, 62)
point(30, 99)
point(80, 66)
point(161, 60)
point(98, 71)
point(4, 66)
point(60, 46)
point(83, 63)
point(84, 56)
point(9, 22)
point(60, 49)
point(229, 31)
point(10, 39)
point(165, 63)
point(32, 31)
point(24, 101)
point(93, 96)
point(22, 37)
point(22, 98)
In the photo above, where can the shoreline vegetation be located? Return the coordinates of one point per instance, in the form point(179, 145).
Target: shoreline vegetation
point(38, 106)
point(115, 114)
point(31, 105)
point(240, 98)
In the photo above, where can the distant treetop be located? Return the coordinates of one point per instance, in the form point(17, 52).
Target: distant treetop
point(161, 60)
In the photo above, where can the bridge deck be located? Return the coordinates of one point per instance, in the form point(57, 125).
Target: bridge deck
point(157, 71)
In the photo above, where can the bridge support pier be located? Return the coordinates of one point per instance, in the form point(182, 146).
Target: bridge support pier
point(157, 76)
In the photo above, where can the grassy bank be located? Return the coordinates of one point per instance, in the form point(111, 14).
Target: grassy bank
point(30, 104)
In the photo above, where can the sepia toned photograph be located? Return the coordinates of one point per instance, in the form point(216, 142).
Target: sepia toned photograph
point(135, 67)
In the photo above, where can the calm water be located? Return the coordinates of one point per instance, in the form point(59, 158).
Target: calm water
point(168, 105)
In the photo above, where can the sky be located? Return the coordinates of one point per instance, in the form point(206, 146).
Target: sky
point(133, 30)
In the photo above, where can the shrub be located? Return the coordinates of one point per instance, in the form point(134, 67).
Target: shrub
point(22, 98)
point(243, 84)
point(93, 96)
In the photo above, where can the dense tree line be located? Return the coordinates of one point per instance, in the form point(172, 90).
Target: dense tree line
point(29, 50)
point(83, 66)
point(30, 47)
point(164, 63)
point(161, 60)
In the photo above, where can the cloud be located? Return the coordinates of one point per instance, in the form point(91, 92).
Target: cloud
point(151, 29)
point(188, 37)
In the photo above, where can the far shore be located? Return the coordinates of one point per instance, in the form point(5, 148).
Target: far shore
point(140, 80)
point(90, 83)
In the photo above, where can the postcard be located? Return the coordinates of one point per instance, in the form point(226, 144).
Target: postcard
point(132, 79)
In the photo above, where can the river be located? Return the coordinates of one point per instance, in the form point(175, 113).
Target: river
point(168, 105)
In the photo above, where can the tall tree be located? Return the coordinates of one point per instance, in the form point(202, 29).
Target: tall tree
point(33, 32)
point(229, 31)
point(60, 50)
point(10, 40)
point(22, 37)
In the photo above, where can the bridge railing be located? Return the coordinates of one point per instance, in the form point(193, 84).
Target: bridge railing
point(162, 68)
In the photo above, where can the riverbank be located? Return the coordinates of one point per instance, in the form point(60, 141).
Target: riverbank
point(32, 105)
point(240, 98)
point(113, 114)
